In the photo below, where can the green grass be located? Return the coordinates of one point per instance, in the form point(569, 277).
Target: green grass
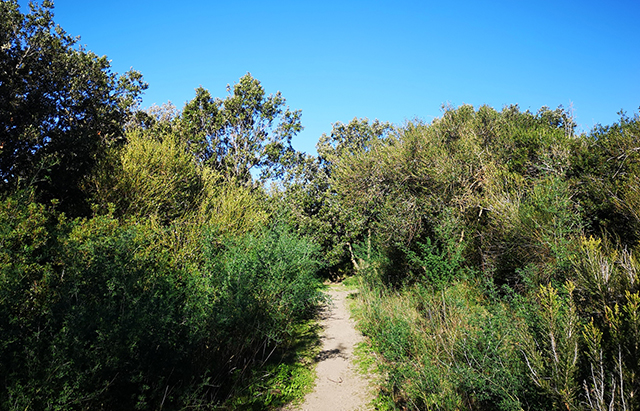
point(284, 380)
point(366, 362)
point(351, 282)
point(365, 357)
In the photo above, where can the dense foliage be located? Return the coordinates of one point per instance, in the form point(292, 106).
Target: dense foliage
point(106, 314)
point(145, 264)
point(497, 254)
point(136, 270)
point(246, 132)
point(60, 107)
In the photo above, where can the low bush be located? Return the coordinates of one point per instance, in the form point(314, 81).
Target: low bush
point(445, 349)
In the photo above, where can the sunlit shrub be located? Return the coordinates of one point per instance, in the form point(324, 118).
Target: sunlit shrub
point(105, 313)
point(151, 175)
point(445, 349)
point(609, 291)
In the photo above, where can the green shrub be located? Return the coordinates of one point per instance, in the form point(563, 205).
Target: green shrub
point(605, 169)
point(530, 230)
point(266, 283)
point(27, 280)
point(609, 304)
point(551, 345)
point(434, 266)
point(110, 335)
point(445, 349)
point(152, 174)
point(107, 314)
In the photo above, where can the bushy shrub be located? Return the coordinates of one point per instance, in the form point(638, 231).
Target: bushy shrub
point(26, 297)
point(504, 196)
point(101, 314)
point(551, 345)
point(108, 330)
point(266, 283)
point(530, 229)
point(608, 287)
point(446, 349)
point(152, 174)
point(434, 267)
point(605, 168)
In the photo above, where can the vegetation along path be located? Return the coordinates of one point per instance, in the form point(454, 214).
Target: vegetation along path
point(339, 386)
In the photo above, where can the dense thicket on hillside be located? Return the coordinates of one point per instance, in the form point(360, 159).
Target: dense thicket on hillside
point(497, 251)
point(145, 263)
point(141, 267)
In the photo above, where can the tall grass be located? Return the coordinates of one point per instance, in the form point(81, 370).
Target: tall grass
point(446, 348)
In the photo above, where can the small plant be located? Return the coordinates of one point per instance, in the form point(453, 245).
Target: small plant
point(551, 350)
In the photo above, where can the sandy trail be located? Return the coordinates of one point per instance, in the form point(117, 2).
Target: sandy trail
point(339, 387)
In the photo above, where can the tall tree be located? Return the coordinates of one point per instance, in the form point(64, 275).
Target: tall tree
point(346, 139)
point(248, 132)
point(60, 105)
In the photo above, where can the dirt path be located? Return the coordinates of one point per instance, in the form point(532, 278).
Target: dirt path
point(339, 387)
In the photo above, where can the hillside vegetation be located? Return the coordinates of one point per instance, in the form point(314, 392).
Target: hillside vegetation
point(172, 258)
point(497, 256)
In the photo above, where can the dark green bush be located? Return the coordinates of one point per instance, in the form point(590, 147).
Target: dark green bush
point(266, 284)
point(107, 327)
point(435, 268)
point(102, 314)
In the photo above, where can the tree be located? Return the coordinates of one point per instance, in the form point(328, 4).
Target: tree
point(60, 105)
point(317, 205)
point(346, 139)
point(246, 132)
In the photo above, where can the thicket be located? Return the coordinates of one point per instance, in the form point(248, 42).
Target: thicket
point(497, 256)
point(145, 265)
point(142, 266)
point(102, 313)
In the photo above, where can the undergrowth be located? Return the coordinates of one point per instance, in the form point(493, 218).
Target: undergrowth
point(286, 378)
point(441, 350)
point(101, 314)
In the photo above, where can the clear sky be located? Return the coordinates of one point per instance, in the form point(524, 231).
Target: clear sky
point(387, 60)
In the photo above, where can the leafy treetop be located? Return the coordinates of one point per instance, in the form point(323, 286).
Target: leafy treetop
point(246, 132)
point(61, 106)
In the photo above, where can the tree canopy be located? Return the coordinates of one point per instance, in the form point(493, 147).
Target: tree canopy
point(246, 132)
point(60, 105)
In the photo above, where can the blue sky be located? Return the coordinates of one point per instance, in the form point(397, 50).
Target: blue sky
point(387, 60)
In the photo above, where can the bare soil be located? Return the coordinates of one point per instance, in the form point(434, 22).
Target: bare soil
point(339, 386)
